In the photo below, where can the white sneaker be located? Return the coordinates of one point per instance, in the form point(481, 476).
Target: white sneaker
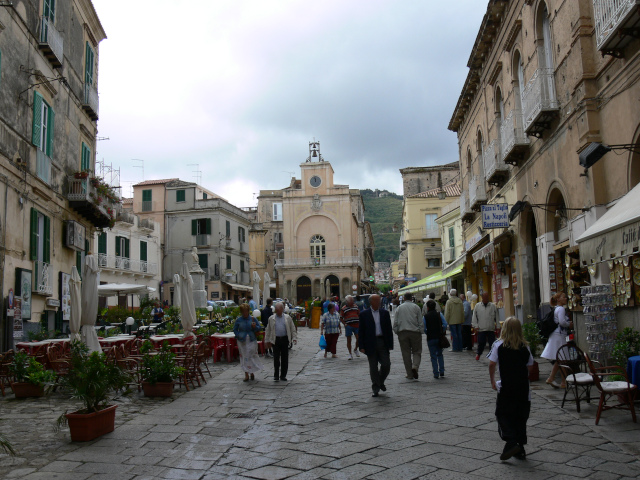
point(357, 353)
point(350, 357)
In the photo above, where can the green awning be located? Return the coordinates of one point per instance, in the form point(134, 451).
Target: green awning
point(434, 281)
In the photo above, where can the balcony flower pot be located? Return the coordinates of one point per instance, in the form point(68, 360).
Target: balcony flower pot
point(88, 426)
point(80, 175)
point(160, 389)
point(26, 389)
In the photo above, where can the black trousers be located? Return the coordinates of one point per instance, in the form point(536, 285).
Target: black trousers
point(467, 339)
point(281, 357)
point(484, 338)
point(381, 356)
point(512, 418)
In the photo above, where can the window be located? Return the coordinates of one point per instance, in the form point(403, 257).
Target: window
point(216, 270)
point(433, 262)
point(228, 229)
point(277, 212)
point(241, 234)
point(85, 159)
point(143, 251)
point(201, 226)
point(228, 262)
point(180, 195)
point(430, 225)
point(88, 65)
point(452, 242)
point(40, 241)
point(318, 247)
point(122, 247)
point(277, 237)
point(204, 196)
point(146, 200)
point(43, 119)
point(102, 243)
point(203, 261)
point(49, 9)
point(242, 266)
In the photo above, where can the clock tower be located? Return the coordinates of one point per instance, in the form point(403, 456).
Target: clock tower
point(317, 174)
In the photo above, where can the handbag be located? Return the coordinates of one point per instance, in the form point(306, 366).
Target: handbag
point(323, 342)
point(443, 340)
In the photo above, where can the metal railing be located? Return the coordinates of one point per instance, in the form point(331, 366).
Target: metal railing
point(512, 132)
point(125, 217)
point(449, 254)
point(243, 246)
point(493, 161)
point(464, 204)
point(202, 240)
point(112, 262)
point(433, 232)
point(318, 262)
point(244, 278)
point(608, 16)
point(51, 37)
point(91, 99)
point(539, 95)
point(43, 166)
point(146, 223)
point(477, 191)
point(43, 284)
point(147, 205)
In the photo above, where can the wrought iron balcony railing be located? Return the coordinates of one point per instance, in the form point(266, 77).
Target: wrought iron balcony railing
point(539, 102)
point(514, 141)
point(51, 42)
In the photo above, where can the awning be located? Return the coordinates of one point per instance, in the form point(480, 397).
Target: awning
point(436, 280)
point(455, 264)
point(483, 252)
point(241, 288)
point(616, 233)
point(117, 289)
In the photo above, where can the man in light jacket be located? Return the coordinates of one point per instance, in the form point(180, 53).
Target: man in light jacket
point(485, 319)
point(408, 326)
point(454, 315)
point(279, 333)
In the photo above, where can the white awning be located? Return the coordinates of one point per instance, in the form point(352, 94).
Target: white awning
point(116, 289)
point(241, 288)
point(616, 233)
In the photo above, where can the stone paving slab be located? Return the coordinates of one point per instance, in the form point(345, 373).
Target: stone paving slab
point(324, 424)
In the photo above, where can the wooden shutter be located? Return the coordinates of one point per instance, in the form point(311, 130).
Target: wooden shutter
point(102, 243)
point(79, 263)
point(208, 226)
point(88, 65)
point(33, 244)
point(143, 251)
point(203, 260)
point(146, 195)
point(194, 227)
point(180, 195)
point(50, 121)
point(46, 244)
point(85, 162)
point(126, 248)
point(228, 262)
point(242, 266)
point(36, 131)
point(118, 246)
point(228, 229)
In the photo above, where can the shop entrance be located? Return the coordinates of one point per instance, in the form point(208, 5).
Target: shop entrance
point(303, 288)
point(332, 285)
point(531, 297)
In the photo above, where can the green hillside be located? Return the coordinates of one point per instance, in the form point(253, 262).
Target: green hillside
point(383, 213)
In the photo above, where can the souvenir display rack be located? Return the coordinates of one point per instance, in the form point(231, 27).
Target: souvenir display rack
point(600, 320)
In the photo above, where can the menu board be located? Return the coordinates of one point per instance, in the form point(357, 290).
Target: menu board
point(17, 318)
point(497, 286)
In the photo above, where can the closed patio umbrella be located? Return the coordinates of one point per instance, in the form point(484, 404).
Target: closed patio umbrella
point(256, 288)
point(187, 305)
point(75, 286)
point(176, 289)
point(90, 282)
point(266, 291)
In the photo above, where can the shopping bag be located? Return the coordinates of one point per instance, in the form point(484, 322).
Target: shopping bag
point(323, 342)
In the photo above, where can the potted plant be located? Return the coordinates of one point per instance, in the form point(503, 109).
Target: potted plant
point(29, 375)
point(158, 372)
point(82, 174)
point(96, 383)
point(627, 345)
point(533, 338)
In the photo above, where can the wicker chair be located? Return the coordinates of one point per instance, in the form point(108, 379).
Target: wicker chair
point(623, 389)
point(5, 374)
point(188, 362)
point(575, 370)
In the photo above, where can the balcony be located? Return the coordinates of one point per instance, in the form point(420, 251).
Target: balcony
point(515, 144)
point(243, 247)
point(539, 102)
point(431, 232)
point(352, 261)
point(466, 214)
point(226, 242)
point(43, 166)
point(43, 276)
point(117, 264)
point(495, 170)
point(51, 42)
point(202, 240)
point(449, 255)
point(477, 193)
point(147, 206)
point(90, 103)
point(244, 278)
point(83, 197)
point(279, 246)
point(125, 217)
point(147, 224)
point(617, 23)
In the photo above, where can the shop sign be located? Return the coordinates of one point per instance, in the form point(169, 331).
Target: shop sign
point(495, 216)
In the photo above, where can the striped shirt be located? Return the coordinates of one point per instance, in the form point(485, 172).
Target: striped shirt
point(350, 315)
point(331, 322)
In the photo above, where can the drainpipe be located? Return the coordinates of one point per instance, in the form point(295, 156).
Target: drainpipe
point(6, 343)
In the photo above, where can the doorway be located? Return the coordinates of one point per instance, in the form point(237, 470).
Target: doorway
point(303, 288)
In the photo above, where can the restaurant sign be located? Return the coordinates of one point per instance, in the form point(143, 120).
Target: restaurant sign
point(495, 216)
point(621, 241)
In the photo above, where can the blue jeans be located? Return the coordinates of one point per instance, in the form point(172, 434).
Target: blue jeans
point(456, 336)
point(437, 360)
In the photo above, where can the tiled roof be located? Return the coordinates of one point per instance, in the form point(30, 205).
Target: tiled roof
point(176, 182)
point(127, 200)
point(452, 189)
point(156, 182)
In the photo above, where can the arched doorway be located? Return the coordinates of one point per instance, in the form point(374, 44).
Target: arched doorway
point(332, 285)
point(303, 288)
point(529, 266)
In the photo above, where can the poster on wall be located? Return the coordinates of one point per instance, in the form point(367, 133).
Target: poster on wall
point(23, 290)
point(65, 296)
point(17, 318)
point(553, 286)
point(514, 281)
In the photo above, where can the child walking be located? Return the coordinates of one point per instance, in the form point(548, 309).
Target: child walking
point(513, 358)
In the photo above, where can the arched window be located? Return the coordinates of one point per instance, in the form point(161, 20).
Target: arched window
point(318, 248)
point(546, 38)
point(499, 105)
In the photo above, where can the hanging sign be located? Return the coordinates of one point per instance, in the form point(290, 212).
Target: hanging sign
point(495, 216)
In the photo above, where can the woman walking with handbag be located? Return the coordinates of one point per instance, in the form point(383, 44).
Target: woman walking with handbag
point(433, 329)
point(331, 328)
point(245, 329)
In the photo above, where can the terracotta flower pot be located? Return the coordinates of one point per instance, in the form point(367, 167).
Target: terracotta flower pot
point(25, 389)
point(87, 426)
point(160, 389)
point(534, 375)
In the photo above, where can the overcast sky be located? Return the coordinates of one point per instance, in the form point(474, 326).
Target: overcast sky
point(241, 87)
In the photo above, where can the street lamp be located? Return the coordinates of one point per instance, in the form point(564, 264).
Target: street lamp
point(210, 310)
point(129, 321)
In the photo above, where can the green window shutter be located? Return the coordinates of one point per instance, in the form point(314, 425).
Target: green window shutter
point(86, 246)
point(79, 262)
point(228, 262)
point(46, 244)
point(37, 119)
point(203, 260)
point(118, 246)
point(208, 226)
point(102, 243)
point(88, 65)
point(85, 162)
point(146, 195)
point(49, 9)
point(194, 227)
point(451, 239)
point(51, 117)
point(242, 266)
point(228, 228)
point(126, 248)
point(180, 195)
point(204, 196)
point(143, 251)
point(33, 247)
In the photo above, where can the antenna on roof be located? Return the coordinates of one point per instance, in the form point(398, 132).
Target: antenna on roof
point(139, 166)
point(197, 174)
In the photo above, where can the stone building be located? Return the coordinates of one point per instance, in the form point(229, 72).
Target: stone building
point(420, 179)
point(316, 233)
point(546, 79)
point(48, 125)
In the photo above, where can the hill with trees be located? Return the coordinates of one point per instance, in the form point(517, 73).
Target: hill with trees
point(383, 210)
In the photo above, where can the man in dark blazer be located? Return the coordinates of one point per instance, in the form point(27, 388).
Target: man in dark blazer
point(376, 340)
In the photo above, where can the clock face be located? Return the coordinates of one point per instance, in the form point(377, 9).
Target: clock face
point(315, 181)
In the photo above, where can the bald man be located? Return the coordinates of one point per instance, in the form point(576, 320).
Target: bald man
point(375, 341)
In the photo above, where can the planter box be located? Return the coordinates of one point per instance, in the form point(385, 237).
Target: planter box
point(160, 389)
point(88, 426)
point(25, 390)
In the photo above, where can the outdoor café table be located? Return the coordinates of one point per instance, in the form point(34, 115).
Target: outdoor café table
point(31, 347)
point(228, 341)
point(633, 369)
point(115, 340)
point(172, 339)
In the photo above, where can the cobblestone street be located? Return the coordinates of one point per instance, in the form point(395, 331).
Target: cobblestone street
point(324, 423)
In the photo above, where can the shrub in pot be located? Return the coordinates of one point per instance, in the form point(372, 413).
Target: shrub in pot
point(96, 383)
point(158, 372)
point(627, 345)
point(533, 338)
point(29, 376)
